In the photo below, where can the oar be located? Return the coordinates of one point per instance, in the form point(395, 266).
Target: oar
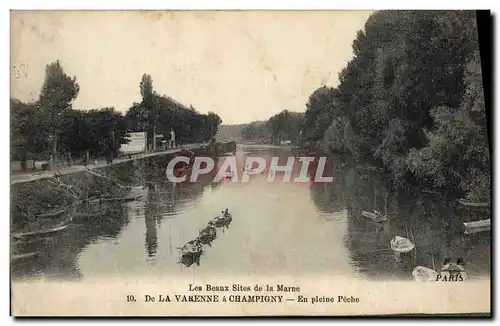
point(413, 239)
point(432, 257)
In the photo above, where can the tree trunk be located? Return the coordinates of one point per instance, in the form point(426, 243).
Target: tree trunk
point(24, 166)
point(54, 151)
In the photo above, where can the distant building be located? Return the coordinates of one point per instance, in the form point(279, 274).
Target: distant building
point(286, 142)
point(137, 144)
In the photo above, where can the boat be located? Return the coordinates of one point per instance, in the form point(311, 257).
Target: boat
point(191, 248)
point(424, 274)
point(470, 203)
point(119, 199)
point(29, 255)
point(374, 217)
point(39, 233)
point(208, 234)
point(209, 231)
point(53, 213)
point(401, 244)
point(224, 219)
point(453, 271)
point(477, 226)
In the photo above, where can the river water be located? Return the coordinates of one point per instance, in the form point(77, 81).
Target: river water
point(278, 228)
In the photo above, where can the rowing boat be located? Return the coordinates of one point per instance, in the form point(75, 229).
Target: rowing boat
point(118, 200)
point(401, 244)
point(223, 220)
point(54, 213)
point(25, 256)
point(424, 274)
point(192, 247)
point(477, 226)
point(39, 233)
point(374, 217)
point(469, 203)
point(208, 234)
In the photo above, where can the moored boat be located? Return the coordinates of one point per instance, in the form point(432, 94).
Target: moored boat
point(53, 213)
point(424, 274)
point(378, 218)
point(477, 226)
point(118, 200)
point(470, 203)
point(401, 244)
point(39, 232)
point(20, 257)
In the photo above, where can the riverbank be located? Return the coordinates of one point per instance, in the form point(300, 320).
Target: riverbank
point(35, 197)
point(32, 176)
point(264, 146)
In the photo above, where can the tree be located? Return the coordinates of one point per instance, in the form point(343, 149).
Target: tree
point(286, 125)
point(27, 133)
point(149, 105)
point(321, 109)
point(58, 92)
point(412, 101)
point(136, 118)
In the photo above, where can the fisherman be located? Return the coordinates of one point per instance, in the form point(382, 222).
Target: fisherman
point(446, 264)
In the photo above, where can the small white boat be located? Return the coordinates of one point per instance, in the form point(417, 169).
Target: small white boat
point(470, 203)
point(477, 226)
point(39, 233)
point(401, 244)
point(24, 256)
point(424, 274)
point(374, 217)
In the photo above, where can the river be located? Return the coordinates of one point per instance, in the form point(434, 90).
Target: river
point(277, 228)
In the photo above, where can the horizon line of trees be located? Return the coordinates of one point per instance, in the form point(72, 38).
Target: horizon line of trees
point(51, 128)
point(283, 126)
point(411, 102)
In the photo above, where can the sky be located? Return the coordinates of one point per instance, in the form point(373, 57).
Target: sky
point(244, 66)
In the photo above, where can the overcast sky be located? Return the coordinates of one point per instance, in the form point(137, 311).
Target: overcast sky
point(244, 66)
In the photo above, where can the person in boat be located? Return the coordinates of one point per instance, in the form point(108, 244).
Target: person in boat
point(226, 213)
point(446, 264)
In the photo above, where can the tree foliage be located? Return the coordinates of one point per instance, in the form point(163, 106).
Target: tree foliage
point(286, 125)
point(412, 101)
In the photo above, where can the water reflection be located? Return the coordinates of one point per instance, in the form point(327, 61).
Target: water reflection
point(278, 228)
point(432, 223)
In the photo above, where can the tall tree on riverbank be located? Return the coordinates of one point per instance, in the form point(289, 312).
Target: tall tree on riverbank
point(405, 94)
point(100, 132)
point(286, 125)
point(58, 92)
point(27, 134)
point(148, 104)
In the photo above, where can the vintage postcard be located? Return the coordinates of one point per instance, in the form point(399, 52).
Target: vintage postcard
point(249, 163)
